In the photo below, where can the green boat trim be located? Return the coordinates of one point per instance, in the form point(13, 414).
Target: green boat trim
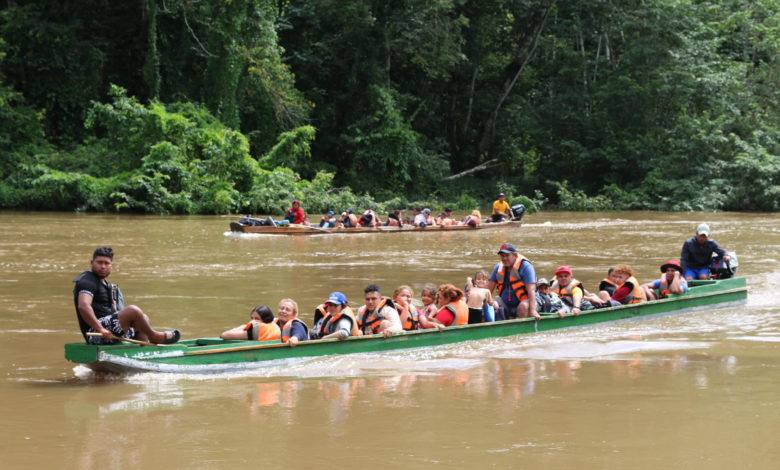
point(214, 355)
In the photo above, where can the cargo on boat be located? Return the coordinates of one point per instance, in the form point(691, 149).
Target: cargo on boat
point(212, 355)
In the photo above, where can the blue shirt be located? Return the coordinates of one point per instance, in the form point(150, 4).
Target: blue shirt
point(527, 274)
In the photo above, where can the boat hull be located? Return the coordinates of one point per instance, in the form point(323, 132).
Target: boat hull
point(212, 355)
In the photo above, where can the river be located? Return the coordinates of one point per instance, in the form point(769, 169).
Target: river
point(694, 391)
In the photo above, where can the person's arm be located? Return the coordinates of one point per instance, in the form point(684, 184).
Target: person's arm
point(675, 286)
point(720, 251)
point(576, 297)
point(239, 332)
point(344, 331)
point(684, 255)
point(621, 294)
point(297, 334)
point(445, 316)
point(391, 315)
point(88, 314)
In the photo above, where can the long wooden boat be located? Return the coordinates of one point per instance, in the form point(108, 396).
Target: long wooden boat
point(314, 230)
point(211, 355)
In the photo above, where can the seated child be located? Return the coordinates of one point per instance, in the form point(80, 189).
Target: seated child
point(260, 328)
point(428, 298)
point(477, 295)
point(548, 301)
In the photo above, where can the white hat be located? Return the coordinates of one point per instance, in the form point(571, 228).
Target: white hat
point(703, 229)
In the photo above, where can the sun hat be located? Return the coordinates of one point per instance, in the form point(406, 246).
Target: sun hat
point(563, 269)
point(507, 248)
point(703, 229)
point(672, 264)
point(336, 298)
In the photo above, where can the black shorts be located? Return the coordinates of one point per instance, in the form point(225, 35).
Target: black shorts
point(111, 323)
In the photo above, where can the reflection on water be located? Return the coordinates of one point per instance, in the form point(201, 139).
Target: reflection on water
point(695, 391)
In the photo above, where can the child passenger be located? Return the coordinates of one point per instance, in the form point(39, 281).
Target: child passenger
point(548, 301)
point(477, 295)
point(428, 298)
point(260, 328)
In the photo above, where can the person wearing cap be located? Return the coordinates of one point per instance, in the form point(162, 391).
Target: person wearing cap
point(501, 209)
point(295, 214)
point(338, 321)
point(696, 255)
point(348, 219)
point(671, 282)
point(328, 220)
point(568, 289)
point(419, 218)
point(548, 301)
point(429, 220)
point(261, 327)
point(378, 315)
point(516, 281)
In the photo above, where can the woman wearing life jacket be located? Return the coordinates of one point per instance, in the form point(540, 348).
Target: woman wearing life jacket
point(293, 330)
point(402, 297)
point(671, 282)
point(260, 328)
point(568, 289)
point(453, 309)
point(339, 321)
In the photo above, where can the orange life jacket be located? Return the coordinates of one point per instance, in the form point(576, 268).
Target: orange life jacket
point(515, 282)
point(459, 310)
point(320, 312)
point(607, 285)
point(287, 329)
point(327, 326)
point(410, 317)
point(369, 322)
point(264, 331)
point(636, 293)
point(565, 293)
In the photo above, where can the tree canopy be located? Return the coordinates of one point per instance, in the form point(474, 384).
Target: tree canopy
point(213, 106)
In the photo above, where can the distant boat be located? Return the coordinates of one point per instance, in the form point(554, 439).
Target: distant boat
point(293, 229)
point(213, 355)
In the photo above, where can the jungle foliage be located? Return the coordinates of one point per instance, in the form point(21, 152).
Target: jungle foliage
point(213, 106)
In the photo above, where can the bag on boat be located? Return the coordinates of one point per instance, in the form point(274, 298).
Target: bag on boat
point(721, 270)
point(488, 313)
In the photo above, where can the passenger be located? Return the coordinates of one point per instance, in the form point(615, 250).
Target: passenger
point(306, 222)
point(295, 214)
point(339, 320)
point(260, 328)
point(378, 315)
point(445, 218)
point(394, 219)
point(428, 299)
point(419, 218)
point(348, 219)
point(410, 318)
point(516, 281)
point(429, 220)
point(671, 282)
point(477, 296)
point(609, 284)
point(501, 209)
point(696, 255)
point(453, 310)
point(568, 289)
point(548, 301)
point(368, 219)
point(328, 220)
point(628, 289)
point(100, 307)
point(472, 220)
point(293, 330)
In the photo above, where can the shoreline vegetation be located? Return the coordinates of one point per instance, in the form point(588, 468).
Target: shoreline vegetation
point(209, 107)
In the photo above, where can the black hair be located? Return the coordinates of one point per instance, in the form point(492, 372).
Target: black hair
point(609, 271)
point(447, 209)
point(372, 288)
point(266, 315)
point(103, 251)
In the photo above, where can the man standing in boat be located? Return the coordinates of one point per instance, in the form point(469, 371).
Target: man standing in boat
point(100, 307)
point(515, 278)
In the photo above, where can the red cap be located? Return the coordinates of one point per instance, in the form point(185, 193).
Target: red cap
point(563, 269)
point(671, 264)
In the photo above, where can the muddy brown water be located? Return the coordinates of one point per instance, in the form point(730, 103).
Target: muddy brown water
point(695, 391)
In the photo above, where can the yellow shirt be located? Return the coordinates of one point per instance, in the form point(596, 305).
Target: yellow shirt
point(500, 207)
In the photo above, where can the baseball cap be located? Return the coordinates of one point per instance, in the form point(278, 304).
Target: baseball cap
point(542, 282)
point(331, 213)
point(501, 195)
point(349, 211)
point(507, 248)
point(563, 269)
point(703, 229)
point(336, 298)
point(427, 211)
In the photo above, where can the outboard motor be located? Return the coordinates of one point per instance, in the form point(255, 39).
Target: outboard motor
point(721, 270)
point(518, 211)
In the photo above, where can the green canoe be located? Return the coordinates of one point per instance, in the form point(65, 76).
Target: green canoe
point(211, 355)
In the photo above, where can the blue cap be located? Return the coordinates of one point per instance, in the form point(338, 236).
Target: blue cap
point(349, 210)
point(427, 211)
point(331, 212)
point(507, 248)
point(336, 298)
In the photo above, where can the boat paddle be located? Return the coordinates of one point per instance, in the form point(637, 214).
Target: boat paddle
point(127, 340)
